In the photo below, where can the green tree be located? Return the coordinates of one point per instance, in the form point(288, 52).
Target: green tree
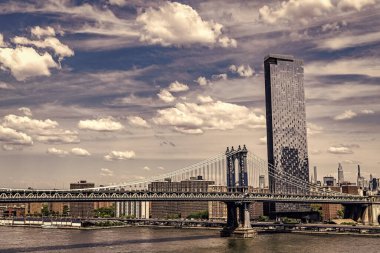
point(45, 210)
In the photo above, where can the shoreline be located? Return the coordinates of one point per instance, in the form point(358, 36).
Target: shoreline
point(259, 231)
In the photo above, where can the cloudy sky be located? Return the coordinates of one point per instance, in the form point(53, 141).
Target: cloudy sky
point(112, 90)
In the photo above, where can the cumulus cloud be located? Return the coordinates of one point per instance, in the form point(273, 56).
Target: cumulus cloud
point(11, 136)
point(39, 32)
point(192, 118)
point(348, 114)
point(25, 62)
point(106, 172)
point(179, 24)
point(340, 150)
point(80, 152)
point(355, 4)
point(59, 48)
point(26, 111)
point(263, 140)
point(138, 122)
point(335, 26)
point(57, 152)
point(26, 123)
point(146, 168)
point(242, 70)
point(204, 99)
point(222, 76)
point(119, 155)
point(102, 124)
point(202, 81)
point(45, 131)
point(300, 10)
point(5, 86)
point(313, 129)
point(178, 87)
point(166, 96)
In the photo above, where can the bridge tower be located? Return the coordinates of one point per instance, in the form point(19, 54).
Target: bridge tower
point(238, 217)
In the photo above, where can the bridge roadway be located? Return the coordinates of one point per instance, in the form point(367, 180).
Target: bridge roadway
point(25, 196)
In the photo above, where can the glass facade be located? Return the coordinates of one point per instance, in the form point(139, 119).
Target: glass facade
point(286, 121)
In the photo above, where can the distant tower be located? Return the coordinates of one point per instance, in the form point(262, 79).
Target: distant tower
point(315, 175)
point(286, 122)
point(340, 174)
point(261, 182)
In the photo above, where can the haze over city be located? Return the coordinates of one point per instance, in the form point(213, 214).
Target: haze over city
point(116, 90)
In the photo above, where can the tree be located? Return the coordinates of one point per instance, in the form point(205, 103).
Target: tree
point(45, 210)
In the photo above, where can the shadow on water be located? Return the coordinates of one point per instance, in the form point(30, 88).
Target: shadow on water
point(105, 244)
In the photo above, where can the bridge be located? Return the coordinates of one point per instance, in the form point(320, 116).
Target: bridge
point(239, 171)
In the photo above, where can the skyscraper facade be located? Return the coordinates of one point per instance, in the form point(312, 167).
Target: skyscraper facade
point(286, 122)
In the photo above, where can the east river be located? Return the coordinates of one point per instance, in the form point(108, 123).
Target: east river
point(143, 239)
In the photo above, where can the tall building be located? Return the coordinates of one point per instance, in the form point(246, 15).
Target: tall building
point(261, 182)
point(360, 179)
point(315, 175)
point(286, 121)
point(81, 209)
point(340, 174)
point(133, 209)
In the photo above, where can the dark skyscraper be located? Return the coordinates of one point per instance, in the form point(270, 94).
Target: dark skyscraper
point(286, 120)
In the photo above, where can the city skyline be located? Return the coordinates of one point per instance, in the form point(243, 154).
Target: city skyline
point(94, 91)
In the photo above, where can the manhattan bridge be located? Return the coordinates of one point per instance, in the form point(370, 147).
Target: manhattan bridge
point(237, 169)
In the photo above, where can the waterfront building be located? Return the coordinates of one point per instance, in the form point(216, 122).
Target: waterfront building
point(133, 209)
point(180, 209)
point(286, 121)
point(286, 128)
point(340, 174)
point(81, 209)
point(217, 210)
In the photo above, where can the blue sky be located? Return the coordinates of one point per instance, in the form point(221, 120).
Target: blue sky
point(114, 90)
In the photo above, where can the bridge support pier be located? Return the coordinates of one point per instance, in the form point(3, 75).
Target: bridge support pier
point(371, 215)
point(238, 221)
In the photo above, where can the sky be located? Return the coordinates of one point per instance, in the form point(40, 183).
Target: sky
point(116, 90)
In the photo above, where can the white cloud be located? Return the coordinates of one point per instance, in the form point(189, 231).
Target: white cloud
point(179, 24)
point(138, 122)
point(202, 81)
point(57, 136)
point(295, 10)
point(101, 124)
point(146, 168)
point(263, 140)
point(348, 114)
point(58, 152)
point(341, 150)
point(335, 26)
point(355, 4)
point(25, 62)
point(222, 76)
point(26, 111)
point(204, 99)
point(26, 123)
point(42, 32)
point(178, 87)
point(366, 111)
point(313, 129)
point(60, 49)
point(194, 118)
point(160, 168)
point(118, 2)
point(119, 155)
point(350, 162)
point(5, 86)
point(166, 96)
point(242, 70)
point(80, 152)
point(106, 172)
point(11, 136)
point(348, 40)
point(359, 66)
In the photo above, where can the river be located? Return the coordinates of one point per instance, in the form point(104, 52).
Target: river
point(144, 239)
